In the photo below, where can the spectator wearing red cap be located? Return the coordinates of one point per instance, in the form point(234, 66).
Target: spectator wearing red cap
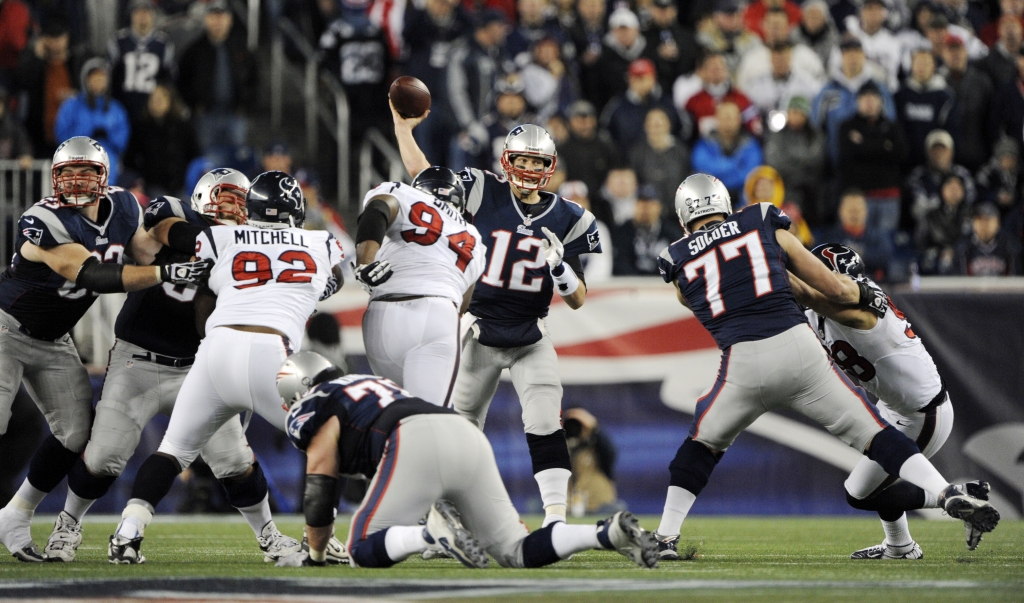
point(973, 90)
point(715, 88)
point(624, 115)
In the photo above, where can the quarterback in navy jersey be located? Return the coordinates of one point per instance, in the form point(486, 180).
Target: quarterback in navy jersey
point(420, 458)
point(70, 247)
point(534, 240)
point(140, 56)
point(731, 270)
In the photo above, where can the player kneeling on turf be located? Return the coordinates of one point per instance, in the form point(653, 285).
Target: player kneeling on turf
point(421, 459)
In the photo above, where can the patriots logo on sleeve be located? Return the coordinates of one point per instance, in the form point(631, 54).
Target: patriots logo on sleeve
point(295, 423)
point(155, 207)
point(593, 240)
point(34, 235)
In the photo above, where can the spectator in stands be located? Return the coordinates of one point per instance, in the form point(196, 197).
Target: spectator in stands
point(586, 34)
point(999, 181)
point(973, 91)
point(47, 72)
point(623, 116)
point(764, 185)
point(728, 153)
point(871, 149)
point(430, 34)
point(535, 24)
point(940, 230)
point(139, 56)
point(312, 18)
point(924, 184)
point(510, 110)
point(757, 63)
point(277, 157)
point(797, 152)
point(725, 34)
point(989, 33)
point(715, 88)
point(589, 153)
point(987, 251)
point(673, 49)
point(874, 247)
point(753, 16)
point(923, 104)
point(880, 46)
point(660, 159)
point(1007, 117)
point(548, 84)
point(772, 90)
point(1001, 62)
point(15, 27)
point(592, 455)
point(638, 241)
point(597, 267)
point(94, 114)
point(474, 67)
point(218, 79)
point(837, 101)
point(14, 140)
point(817, 30)
point(162, 144)
point(618, 196)
point(622, 45)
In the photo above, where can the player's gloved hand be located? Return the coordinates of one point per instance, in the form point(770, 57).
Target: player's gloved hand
point(330, 289)
point(299, 559)
point(553, 248)
point(872, 298)
point(373, 274)
point(186, 273)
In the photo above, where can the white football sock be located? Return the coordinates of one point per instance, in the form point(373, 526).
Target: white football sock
point(897, 533)
point(258, 515)
point(76, 506)
point(930, 501)
point(554, 486)
point(568, 540)
point(403, 541)
point(27, 498)
point(919, 471)
point(677, 507)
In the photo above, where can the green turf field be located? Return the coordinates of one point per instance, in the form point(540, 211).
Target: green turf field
point(788, 559)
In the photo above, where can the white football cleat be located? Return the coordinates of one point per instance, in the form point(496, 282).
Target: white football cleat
point(274, 544)
point(125, 551)
point(444, 529)
point(623, 533)
point(979, 490)
point(336, 552)
point(886, 551)
point(64, 540)
point(16, 535)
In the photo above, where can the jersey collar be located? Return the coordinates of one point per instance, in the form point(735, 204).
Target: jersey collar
point(101, 228)
point(527, 220)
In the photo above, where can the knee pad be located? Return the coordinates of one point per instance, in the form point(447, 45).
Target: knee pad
point(692, 466)
point(246, 491)
point(890, 448)
point(542, 413)
point(85, 484)
point(371, 551)
point(548, 451)
point(51, 462)
point(234, 462)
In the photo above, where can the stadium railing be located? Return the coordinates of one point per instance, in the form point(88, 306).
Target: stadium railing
point(19, 189)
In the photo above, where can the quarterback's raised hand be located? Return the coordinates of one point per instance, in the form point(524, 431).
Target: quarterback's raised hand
point(872, 298)
point(373, 274)
point(186, 273)
point(553, 248)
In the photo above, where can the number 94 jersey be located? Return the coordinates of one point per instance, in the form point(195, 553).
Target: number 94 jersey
point(268, 277)
point(432, 249)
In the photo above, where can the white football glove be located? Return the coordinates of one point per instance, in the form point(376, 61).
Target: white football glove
point(373, 274)
point(553, 248)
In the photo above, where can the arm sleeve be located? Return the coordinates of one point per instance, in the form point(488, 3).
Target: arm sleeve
point(583, 237)
point(577, 266)
point(774, 218)
point(162, 208)
point(667, 266)
point(335, 253)
point(373, 222)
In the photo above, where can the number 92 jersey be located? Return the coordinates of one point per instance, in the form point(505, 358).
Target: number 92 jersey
point(734, 277)
point(431, 248)
point(267, 277)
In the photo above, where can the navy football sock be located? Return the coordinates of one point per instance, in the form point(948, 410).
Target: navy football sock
point(85, 484)
point(538, 549)
point(891, 502)
point(371, 551)
point(50, 464)
point(549, 451)
point(692, 466)
point(155, 478)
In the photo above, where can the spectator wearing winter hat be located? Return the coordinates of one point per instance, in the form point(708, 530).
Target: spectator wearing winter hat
point(797, 151)
point(973, 92)
point(659, 158)
point(623, 44)
point(925, 182)
point(817, 30)
point(999, 181)
point(624, 115)
point(94, 114)
point(728, 153)
point(923, 104)
point(638, 242)
point(673, 49)
point(987, 251)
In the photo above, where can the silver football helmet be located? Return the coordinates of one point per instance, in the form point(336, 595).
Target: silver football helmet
point(302, 371)
point(533, 141)
point(80, 190)
point(206, 195)
point(701, 195)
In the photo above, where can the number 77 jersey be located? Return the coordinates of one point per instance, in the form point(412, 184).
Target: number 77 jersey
point(733, 276)
point(433, 251)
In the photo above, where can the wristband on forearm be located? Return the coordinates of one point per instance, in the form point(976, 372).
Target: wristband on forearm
point(373, 222)
point(319, 500)
point(566, 281)
point(99, 277)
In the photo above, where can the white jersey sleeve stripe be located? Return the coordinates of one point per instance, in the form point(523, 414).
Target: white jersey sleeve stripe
point(580, 228)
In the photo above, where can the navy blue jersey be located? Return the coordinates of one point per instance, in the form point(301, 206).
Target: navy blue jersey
point(137, 64)
point(368, 408)
point(45, 303)
point(734, 277)
point(162, 319)
point(515, 290)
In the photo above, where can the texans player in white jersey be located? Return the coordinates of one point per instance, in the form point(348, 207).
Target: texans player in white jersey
point(889, 360)
point(419, 258)
point(534, 240)
point(266, 279)
point(70, 248)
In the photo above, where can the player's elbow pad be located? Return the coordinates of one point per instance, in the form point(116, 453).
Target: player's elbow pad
point(320, 501)
point(181, 237)
point(99, 277)
point(373, 222)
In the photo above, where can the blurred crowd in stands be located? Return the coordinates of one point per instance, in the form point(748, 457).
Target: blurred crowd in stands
point(893, 126)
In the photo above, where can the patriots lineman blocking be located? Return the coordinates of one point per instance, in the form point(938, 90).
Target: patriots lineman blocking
point(70, 248)
point(267, 277)
point(422, 459)
point(731, 271)
point(419, 258)
point(534, 240)
point(889, 360)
